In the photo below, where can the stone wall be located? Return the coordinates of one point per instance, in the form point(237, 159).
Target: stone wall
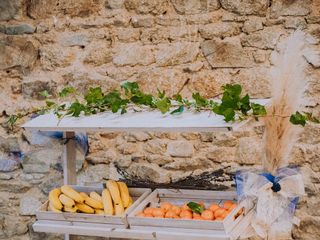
point(187, 45)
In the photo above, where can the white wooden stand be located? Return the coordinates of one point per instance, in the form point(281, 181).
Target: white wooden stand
point(152, 121)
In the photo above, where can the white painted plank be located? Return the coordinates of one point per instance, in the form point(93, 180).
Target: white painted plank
point(103, 230)
point(135, 121)
point(69, 159)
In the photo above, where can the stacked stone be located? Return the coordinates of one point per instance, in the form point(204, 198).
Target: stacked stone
point(193, 45)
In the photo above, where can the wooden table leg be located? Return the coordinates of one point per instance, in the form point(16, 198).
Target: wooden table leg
point(69, 166)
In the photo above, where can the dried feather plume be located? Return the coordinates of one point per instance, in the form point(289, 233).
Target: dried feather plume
point(288, 84)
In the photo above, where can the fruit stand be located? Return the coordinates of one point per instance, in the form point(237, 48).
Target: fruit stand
point(136, 121)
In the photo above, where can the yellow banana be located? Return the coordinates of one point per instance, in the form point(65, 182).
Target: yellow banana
point(96, 196)
point(70, 209)
point(84, 195)
point(93, 203)
point(54, 198)
point(107, 202)
point(53, 209)
point(71, 193)
point(114, 191)
point(84, 208)
point(99, 212)
point(130, 202)
point(119, 209)
point(66, 201)
point(124, 193)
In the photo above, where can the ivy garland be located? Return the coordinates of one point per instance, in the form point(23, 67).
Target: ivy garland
point(233, 105)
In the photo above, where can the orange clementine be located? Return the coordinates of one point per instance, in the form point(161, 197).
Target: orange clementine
point(224, 215)
point(158, 212)
point(227, 204)
point(219, 219)
point(213, 207)
point(207, 215)
point(170, 214)
point(148, 210)
point(197, 216)
point(165, 206)
point(202, 204)
point(176, 209)
point(185, 207)
point(186, 214)
point(148, 215)
point(219, 212)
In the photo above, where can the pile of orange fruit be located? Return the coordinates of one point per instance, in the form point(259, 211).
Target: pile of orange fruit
point(167, 210)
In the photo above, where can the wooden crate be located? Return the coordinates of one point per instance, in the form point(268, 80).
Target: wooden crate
point(137, 194)
point(238, 217)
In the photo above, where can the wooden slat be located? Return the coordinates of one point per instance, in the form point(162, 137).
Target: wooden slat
point(69, 166)
point(103, 230)
point(135, 121)
point(69, 159)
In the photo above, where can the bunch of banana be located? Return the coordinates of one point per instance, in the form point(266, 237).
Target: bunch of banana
point(66, 199)
point(114, 200)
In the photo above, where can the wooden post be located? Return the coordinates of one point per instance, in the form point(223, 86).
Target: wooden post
point(69, 166)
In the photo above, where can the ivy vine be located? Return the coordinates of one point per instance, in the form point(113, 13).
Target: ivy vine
point(234, 105)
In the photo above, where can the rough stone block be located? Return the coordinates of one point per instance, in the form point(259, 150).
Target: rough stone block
point(176, 53)
point(290, 8)
point(39, 9)
point(10, 9)
point(226, 53)
point(17, 52)
point(145, 7)
point(219, 30)
point(180, 149)
point(195, 6)
point(246, 7)
point(265, 39)
point(133, 54)
point(29, 205)
point(149, 171)
point(17, 29)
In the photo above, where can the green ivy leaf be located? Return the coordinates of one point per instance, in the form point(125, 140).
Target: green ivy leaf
point(75, 109)
point(123, 110)
point(94, 95)
point(200, 101)
point(44, 94)
point(143, 99)
point(49, 104)
point(177, 97)
point(232, 89)
point(311, 118)
point(130, 88)
point(298, 119)
point(163, 105)
point(114, 101)
point(178, 110)
point(66, 91)
point(258, 110)
point(229, 114)
point(244, 104)
point(161, 94)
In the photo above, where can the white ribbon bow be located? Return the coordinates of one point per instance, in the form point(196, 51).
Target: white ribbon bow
point(273, 210)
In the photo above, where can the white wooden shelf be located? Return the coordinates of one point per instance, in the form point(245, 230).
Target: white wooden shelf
point(136, 121)
point(103, 230)
point(132, 121)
